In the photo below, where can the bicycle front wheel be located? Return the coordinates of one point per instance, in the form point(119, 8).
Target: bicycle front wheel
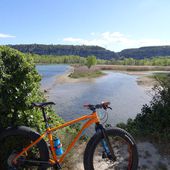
point(124, 148)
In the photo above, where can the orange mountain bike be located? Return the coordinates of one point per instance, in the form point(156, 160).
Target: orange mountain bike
point(24, 149)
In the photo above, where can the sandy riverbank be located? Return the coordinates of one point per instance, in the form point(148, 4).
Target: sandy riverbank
point(143, 77)
point(66, 79)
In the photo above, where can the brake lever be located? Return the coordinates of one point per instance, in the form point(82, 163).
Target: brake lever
point(109, 108)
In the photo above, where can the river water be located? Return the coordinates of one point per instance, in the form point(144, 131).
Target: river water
point(121, 89)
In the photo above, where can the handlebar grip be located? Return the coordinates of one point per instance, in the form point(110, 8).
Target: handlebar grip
point(103, 105)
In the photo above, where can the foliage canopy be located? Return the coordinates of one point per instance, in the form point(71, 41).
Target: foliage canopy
point(19, 87)
point(91, 60)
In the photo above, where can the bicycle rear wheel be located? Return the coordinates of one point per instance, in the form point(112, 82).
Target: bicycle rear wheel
point(12, 141)
point(124, 148)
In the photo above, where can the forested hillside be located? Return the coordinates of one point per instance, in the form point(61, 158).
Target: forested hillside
point(60, 50)
point(99, 52)
point(145, 52)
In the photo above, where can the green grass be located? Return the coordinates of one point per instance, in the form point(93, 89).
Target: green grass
point(90, 74)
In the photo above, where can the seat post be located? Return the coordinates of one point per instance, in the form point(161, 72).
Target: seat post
point(45, 117)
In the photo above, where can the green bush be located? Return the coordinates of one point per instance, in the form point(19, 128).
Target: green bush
point(19, 87)
point(91, 60)
point(154, 119)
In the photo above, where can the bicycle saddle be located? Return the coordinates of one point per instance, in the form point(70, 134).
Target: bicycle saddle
point(43, 104)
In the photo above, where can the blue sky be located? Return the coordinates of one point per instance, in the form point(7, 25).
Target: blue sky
point(112, 24)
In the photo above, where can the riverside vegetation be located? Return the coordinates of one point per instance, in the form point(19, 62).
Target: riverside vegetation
point(127, 64)
point(72, 59)
point(154, 119)
point(87, 71)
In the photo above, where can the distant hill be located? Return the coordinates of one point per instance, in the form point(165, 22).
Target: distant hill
point(145, 52)
point(99, 52)
point(83, 51)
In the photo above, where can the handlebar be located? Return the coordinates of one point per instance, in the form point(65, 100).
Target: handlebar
point(103, 105)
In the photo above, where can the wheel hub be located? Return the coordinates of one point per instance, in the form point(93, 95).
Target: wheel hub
point(10, 159)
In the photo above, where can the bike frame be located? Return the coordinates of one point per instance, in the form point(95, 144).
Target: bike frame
point(91, 119)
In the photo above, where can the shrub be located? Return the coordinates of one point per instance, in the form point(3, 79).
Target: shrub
point(154, 119)
point(19, 87)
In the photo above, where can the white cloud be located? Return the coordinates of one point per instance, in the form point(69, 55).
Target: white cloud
point(6, 36)
point(115, 41)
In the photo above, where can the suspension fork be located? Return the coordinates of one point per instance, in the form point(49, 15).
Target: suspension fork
point(106, 142)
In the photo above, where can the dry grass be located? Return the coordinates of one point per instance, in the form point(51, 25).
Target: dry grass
point(132, 68)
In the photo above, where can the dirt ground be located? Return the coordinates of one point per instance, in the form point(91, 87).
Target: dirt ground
point(149, 158)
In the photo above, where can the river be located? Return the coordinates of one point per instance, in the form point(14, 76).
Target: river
point(121, 89)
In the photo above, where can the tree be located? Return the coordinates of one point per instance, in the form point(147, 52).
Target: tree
point(19, 87)
point(91, 60)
